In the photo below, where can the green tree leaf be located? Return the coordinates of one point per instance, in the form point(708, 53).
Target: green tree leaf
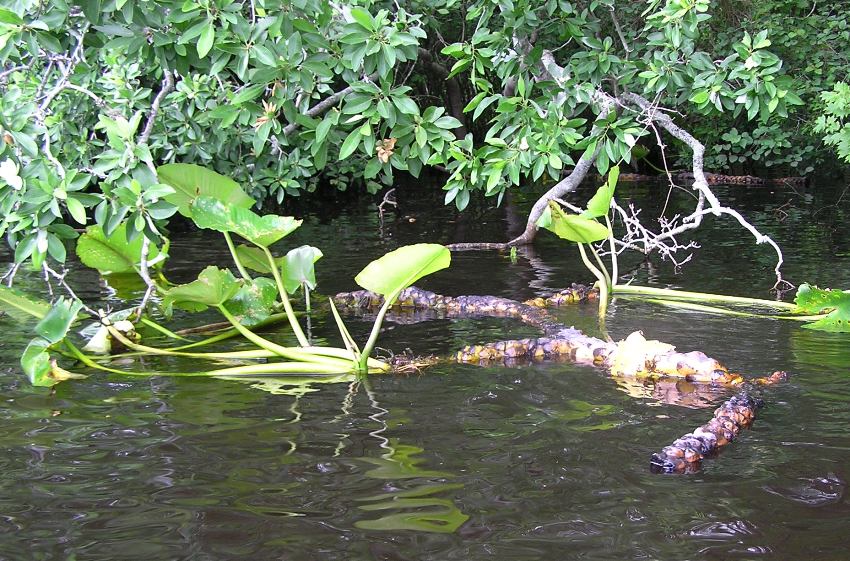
point(206, 40)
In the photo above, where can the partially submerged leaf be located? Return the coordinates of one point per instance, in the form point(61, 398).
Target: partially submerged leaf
point(113, 254)
point(36, 363)
point(214, 287)
point(263, 231)
point(298, 268)
point(836, 303)
point(191, 181)
point(399, 269)
point(18, 303)
point(573, 227)
point(254, 302)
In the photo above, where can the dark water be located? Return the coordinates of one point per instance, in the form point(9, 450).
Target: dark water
point(541, 462)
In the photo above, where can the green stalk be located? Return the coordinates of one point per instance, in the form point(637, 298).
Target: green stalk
point(599, 262)
point(293, 321)
point(615, 274)
point(269, 368)
point(164, 330)
point(376, 329)
point(232, 248)
point(727, 312)
point(631, 290)
point(232, 355)
point(347, 355)
point(603, 285)
point(297, 355)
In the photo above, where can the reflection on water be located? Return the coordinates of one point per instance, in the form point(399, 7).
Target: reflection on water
point(542, 461)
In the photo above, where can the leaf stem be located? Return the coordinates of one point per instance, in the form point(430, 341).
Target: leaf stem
point(290, 313)
point(242, 271)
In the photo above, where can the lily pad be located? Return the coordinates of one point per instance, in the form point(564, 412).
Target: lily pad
point(573, 227)
point(214, 287)
point(399, 269)
point(254, 302)
point(299, 269)
point(836, 303)
point(263, 231)
point(113, 254)
point(191, 181)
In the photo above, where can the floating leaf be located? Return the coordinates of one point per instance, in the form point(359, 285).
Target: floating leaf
point(573, 227)
point(36, 363)
point(58, 320)
point(191, 181)
point(298, 268)
point(113, 254)
point(813, 300)
point(214, 287)
point(211, 213)
point(254, 302)
point(399, 269)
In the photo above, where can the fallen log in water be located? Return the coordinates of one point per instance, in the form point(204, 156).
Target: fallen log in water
point(685, 454)
point(635, 357)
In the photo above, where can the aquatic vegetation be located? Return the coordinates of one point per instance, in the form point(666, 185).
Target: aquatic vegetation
point(217, 203)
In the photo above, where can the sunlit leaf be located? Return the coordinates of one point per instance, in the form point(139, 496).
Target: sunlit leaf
point(399, 269)
point(214, 287)
point(191, 181)
point(113, 254)
point(211, 213)
point(600, 203)
point(573, 227)
point(298, 268)
point(836, 303)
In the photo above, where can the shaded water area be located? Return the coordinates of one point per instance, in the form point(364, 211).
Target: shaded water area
point(548, 461)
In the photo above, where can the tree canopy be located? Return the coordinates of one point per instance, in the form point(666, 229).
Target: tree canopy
point(285, 95)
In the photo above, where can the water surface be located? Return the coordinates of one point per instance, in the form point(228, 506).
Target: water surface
point(548, 461)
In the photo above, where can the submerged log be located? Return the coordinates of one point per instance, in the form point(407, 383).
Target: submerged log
point(633, 358)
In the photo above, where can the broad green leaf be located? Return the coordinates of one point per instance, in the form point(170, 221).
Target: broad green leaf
point(363, 17)
point(573, 227)
point(254, 302)
point(254, 258)
point(836, 303)
point(600, 203)
point(54, 326)
point(191, 181)
point(399, 269)
point(113, 254)
point(14, 302)
point(214, 287)
point(211, 213)
point(298, 268)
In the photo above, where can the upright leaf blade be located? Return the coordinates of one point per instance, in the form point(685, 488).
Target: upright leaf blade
point(399, 269)
point(298, 268)
point(573, 227)
point(191, 181)
point(54, 326)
